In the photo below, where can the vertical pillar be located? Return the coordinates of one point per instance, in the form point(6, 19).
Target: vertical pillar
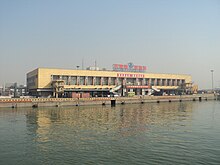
point(124, 81)
point(165, 84)
point(77, 80)
point(175, 82)
point(124, 87)
point(149, 82)
point(161, 82)
point(142, 92)
point(109, 81)
point(136, 81)
point(143, 81)
point(124, 91)
point(101, 79)
point(116, 81)
point(93, 81)
point(69, 80)
point(170, 82)
point(86, 80)
point(155, 82)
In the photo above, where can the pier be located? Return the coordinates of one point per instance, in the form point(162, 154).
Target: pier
point(113, 101)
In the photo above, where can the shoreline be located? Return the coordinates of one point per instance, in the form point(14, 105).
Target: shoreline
point(113, 101)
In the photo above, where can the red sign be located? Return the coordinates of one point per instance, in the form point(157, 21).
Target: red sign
point(130, 75)
point(129, 68)
point(115, 65)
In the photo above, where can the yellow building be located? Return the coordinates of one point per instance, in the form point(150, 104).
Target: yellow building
point(44, 82)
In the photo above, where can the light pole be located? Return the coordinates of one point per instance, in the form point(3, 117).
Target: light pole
point(212, 71)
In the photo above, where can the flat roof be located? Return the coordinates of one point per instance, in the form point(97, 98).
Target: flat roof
point(68, 69)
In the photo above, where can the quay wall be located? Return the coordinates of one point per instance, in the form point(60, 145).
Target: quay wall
point(59, 102)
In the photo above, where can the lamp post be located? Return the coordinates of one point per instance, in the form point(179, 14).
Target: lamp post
point(212, 71)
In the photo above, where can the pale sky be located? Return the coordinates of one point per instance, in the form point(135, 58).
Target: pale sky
point(168, 36)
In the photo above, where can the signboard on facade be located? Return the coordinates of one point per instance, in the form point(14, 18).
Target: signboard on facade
point(130, 67)
point(130, 75)
point(137, 87)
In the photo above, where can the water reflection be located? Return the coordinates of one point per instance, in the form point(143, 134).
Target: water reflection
point(126, 134)
point(124, 120)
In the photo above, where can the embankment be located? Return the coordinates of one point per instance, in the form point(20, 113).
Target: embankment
point(58, 102)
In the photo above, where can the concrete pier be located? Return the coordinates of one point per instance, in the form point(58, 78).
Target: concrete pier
point(59, 102)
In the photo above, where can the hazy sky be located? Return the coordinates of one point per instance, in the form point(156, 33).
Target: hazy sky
point(168, 36)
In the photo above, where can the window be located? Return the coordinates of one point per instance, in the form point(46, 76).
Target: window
point(152, 82)
point(158, 82)
point(120, 81)
point(163, 82)
point(169, 82)
point(90, 81)
point(98, 81)
point(112, 81)
point(55, 77)
point(82, 80)
point(146, 81)
point(73, 80)
point(130, 81)
point(65, 78)
point(139, 81)
point(105, 81)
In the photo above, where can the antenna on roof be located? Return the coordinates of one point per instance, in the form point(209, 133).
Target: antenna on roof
point(82, 63)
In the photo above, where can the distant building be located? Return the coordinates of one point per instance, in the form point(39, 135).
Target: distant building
point(46, 82)
point(1, 90)
point(13, 90)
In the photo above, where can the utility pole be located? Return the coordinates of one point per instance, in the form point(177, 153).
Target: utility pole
point(212, 71)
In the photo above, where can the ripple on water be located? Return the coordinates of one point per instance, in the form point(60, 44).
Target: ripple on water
point(166, 133)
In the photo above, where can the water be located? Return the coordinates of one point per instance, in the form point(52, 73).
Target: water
point(165, 133)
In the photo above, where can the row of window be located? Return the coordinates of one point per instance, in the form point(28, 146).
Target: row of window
point(88, 80)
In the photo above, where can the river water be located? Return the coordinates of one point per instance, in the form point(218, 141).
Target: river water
point(164, 133)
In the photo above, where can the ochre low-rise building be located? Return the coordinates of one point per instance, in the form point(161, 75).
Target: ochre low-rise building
point(44, 82)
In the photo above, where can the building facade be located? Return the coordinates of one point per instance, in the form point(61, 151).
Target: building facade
point(44, 82)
